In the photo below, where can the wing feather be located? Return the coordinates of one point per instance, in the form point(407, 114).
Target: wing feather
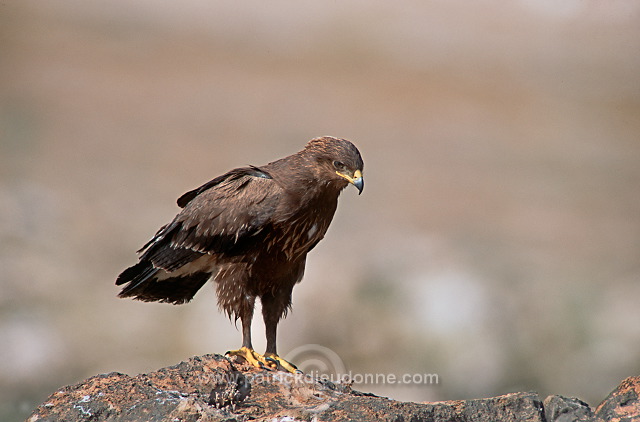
point(231, 175)
point(227, 215)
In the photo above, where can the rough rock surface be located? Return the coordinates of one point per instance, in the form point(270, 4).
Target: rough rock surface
point(623, 404)
point(213, 388)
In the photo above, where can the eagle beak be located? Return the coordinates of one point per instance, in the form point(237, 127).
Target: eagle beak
point(356, 180)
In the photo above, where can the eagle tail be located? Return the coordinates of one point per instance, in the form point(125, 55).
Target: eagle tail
point(152, 284)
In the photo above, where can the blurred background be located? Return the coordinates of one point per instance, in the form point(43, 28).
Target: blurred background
point(497, 242)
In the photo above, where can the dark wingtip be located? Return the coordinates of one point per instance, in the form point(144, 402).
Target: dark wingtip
point(187, 197)
point(131, 273)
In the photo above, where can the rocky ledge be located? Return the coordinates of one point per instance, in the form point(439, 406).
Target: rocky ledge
point(213, 388)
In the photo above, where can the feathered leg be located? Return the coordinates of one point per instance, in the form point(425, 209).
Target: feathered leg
point(273, 309)
point(246, 351)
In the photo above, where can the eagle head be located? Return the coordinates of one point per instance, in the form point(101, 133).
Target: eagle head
point(339, 160)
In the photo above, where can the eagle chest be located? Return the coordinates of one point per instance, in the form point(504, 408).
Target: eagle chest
point(304, 231)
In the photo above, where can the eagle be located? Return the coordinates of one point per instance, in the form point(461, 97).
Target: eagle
point(249, 230)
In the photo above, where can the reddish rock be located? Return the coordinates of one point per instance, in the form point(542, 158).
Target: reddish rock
point(622, 405)
point(213, 388)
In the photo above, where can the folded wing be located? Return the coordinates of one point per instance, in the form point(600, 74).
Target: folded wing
point(226, 217)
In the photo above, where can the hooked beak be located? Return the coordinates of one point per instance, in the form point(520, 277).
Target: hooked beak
point(356, 180)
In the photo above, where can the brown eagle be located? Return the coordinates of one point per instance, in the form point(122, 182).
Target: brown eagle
point(249, 230)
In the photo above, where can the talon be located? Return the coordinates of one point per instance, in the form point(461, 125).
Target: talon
point(251, 356)
point(287, 366)
point(271, 362)
point(267, 361)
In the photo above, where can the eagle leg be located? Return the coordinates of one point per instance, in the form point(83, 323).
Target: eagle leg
point(273, 308)
point(246, 351)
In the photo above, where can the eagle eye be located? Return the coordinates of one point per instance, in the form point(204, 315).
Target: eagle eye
point(339, 165)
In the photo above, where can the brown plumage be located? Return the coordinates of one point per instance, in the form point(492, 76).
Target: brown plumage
point(250, 231)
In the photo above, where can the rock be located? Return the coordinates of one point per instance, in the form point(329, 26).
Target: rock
point(214, 388)
point(563, 409)
point(229, 392)
point(622, 404)
point(181, 392)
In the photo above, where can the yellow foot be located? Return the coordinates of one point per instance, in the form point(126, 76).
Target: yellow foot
point(287, 366)
point(268, 360)
point(252, 357)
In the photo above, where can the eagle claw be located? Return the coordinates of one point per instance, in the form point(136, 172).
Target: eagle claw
point(269, 361)
point(252, 357)
point(287, 366)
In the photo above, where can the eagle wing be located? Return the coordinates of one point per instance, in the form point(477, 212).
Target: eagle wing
point(224, 216)
point(227, 216)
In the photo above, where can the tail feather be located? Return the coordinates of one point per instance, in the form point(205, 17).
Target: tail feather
point(136, 274)
point(151, 284)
